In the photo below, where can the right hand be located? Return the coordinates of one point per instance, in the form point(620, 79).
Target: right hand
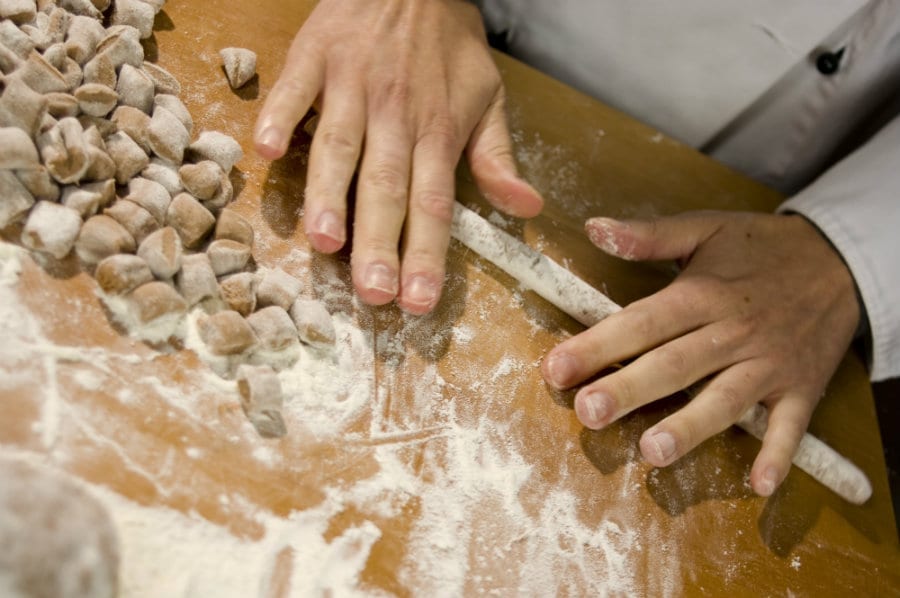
point(402, 88)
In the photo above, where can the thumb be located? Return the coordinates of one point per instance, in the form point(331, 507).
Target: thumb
point(491, 162)
point(667, 238)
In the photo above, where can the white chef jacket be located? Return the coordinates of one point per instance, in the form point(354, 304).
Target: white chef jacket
point(748, 83)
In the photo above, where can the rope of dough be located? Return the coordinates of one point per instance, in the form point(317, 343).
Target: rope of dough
point(588, 306)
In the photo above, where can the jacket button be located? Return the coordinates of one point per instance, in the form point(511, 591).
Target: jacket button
point(828, 63)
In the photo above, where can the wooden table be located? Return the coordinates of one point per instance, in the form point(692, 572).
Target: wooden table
point(460, 472)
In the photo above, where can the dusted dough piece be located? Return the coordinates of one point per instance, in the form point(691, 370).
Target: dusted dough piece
point(274, 328)
point(82, 37)
point(162, 251)
point(155, 300)
point(72, 74)
point(61, 105)
point(58, 540)
point(167, 135)
point(313, 322)
point(218, 147)
point(202, 180)
point(165, 174)
point(101, 237)
point(136, 220)
point(122, 273)
point(240, 65)
point(96, 99)
point(40, 75)
point(9, 60)
point(136, 13)
point(227, 256)
point(226, 333)
point(164, 81)
point(174, 105)
point(192, 221)
point(84, 201)
point(15, 39)
point(102, 70)
point(151, 196)
point(64, 151)
point(277, 287)
point(122, 45)
point(15, 200)
point(21, 106)
point(39, 183)
point(135, 88)
point(128, 156)
point(239, 292)
point(51, 228)
point(101, 166)
point(81, 7)
point(223, 196)
point(232, 225)
point(18, 11)
point(261, 399)
point(196, 280)
point(55, 54)
point(17, 150)
point(134, 122)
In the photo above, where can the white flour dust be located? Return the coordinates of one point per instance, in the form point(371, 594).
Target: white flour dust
point(465, 481)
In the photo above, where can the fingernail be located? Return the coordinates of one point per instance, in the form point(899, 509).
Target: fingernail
point(663, 445)
point(768, 482)
point(560, 369)
point(593, 408)
point(329, 225)
point(419, 291)
point(271, 138)
point(601, 232)
point(380, 278)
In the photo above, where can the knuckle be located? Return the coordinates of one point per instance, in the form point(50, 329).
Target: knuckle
point(335, 140)
point(395, 91)
point(624, 390)
point(437, 205)
point(388, 181)
point(673, 362)
point(732, 400)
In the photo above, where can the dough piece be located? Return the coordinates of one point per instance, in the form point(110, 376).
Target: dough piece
point(151, 196)
point(274, 328)
point(96, 99)
point(52, 229)
point(17, 150)
point(58, 540)
point(155, 300)
point(39, 183)
point(202, 180)
point(57, 23)
point(239, 292)
point(162, 251)
point(81, 7)
point(196, 280)
point(122, 45)
point(136, 13)
point(9, 60)
point(100, 5)
point(13, 38)
point(261, 399)
point(82, 37)
point(64, 151)
point(240, 65)
point(84, 201)
point(104, 126)
point(227, 256)
point(128, 156)
point(313, 322)
point(167, 135)
point(61, 105)
point(120, 274)
point(223, 196)
point(72, 74)
point(232, 225)
point(164, 81)
point(55, 54)
point(218, 147)
point(135, 87)
point(15, 200)
point(136, 220)
point(174, 105)
point(102, 70)
point(135, 122)
point(165, 174)
point(106, 189)
point(40, 75)
point(192, 221)
point(226, 333)
point(101, 237)
point(277, 287)
point(21, 106)
point(18, 11)
point(101, 166)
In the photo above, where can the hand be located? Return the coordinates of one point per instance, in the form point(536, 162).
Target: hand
point(402, 86)
point(763, 306)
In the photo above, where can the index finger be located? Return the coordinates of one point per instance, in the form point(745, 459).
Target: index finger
point(289, 100)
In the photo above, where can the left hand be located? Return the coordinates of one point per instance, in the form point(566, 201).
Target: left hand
point(764, 307)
